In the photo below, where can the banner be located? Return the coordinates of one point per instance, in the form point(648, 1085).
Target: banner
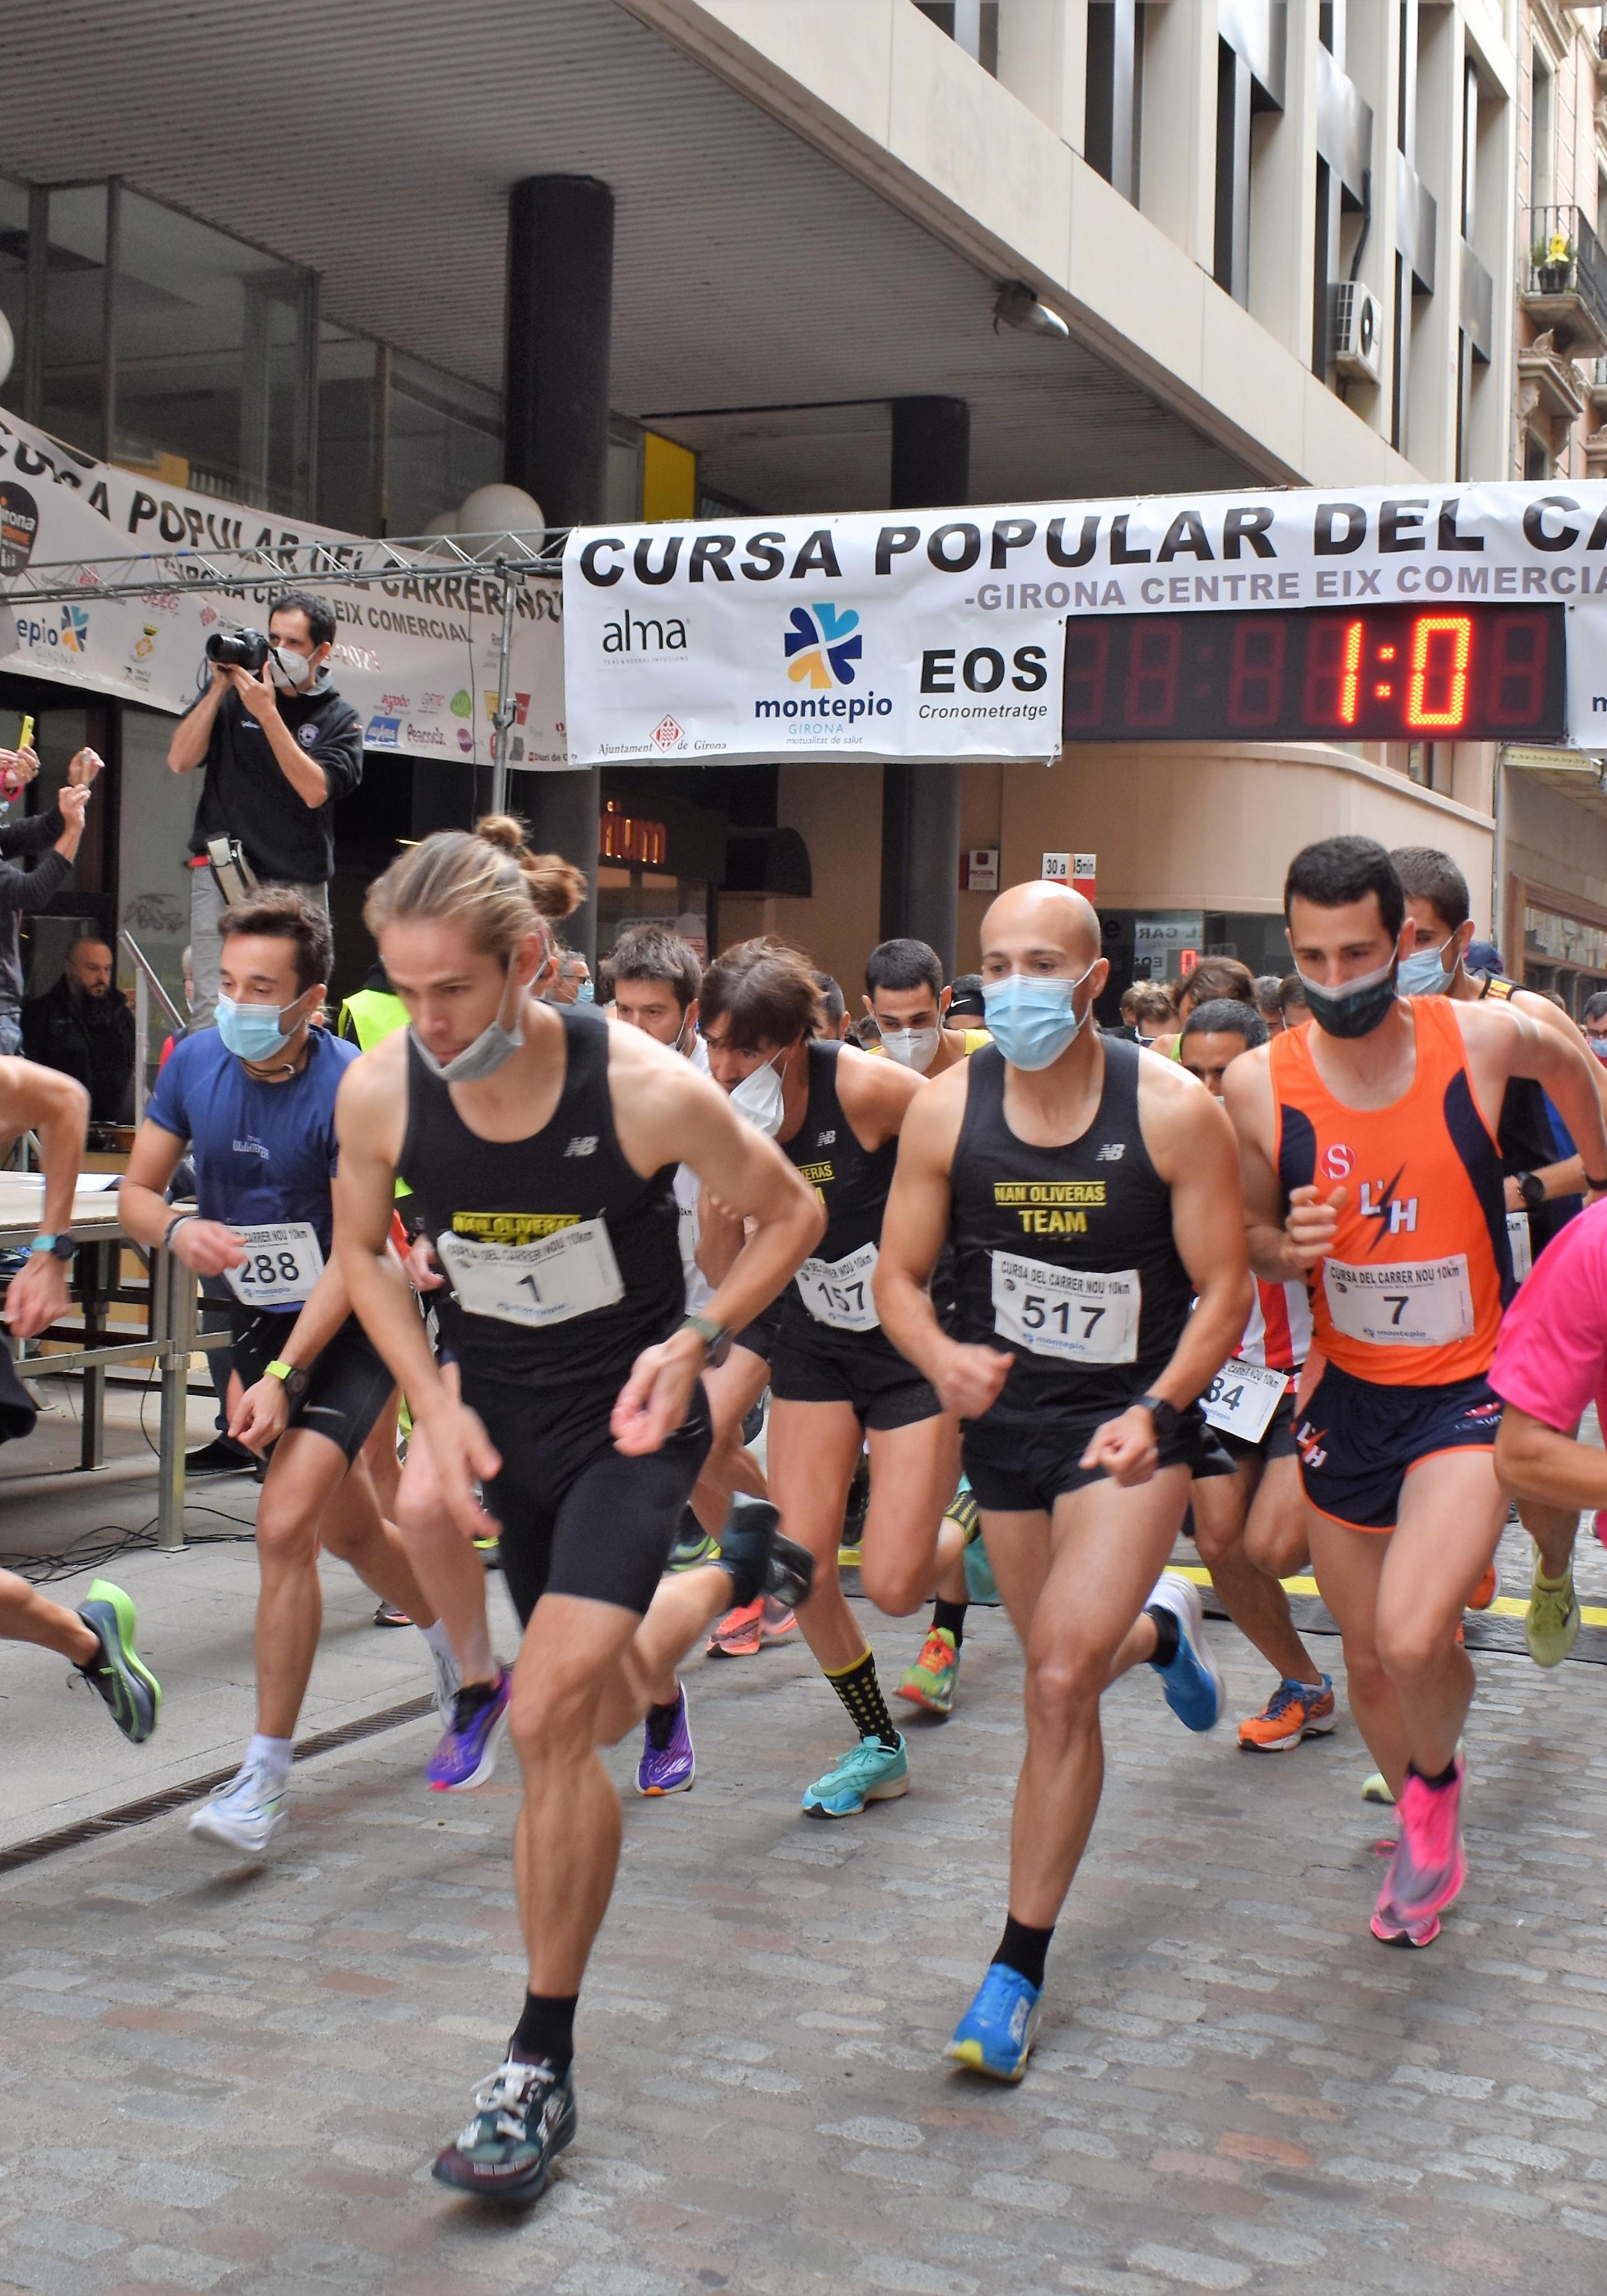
point(415, 655)
point(940, 633)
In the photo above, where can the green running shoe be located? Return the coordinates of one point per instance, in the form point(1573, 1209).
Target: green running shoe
point(694, 1546)
point(930, 1682)
point(1551, 1624)
point(872, 1772)
point(122, 1679)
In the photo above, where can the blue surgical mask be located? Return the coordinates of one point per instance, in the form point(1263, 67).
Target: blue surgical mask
point(586, 994)
point(1032, 1019)
point(1423, 973)
point(253, 1032)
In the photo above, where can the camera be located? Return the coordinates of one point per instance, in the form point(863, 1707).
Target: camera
point(239, 650)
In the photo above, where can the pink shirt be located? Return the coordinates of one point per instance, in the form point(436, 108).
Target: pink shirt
point(1551, 1359)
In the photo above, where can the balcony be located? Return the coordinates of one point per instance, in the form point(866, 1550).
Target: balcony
point(1564, 281)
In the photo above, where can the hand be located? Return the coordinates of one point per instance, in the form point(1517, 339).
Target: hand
point(1125, 1448)
point(37, 1297)
point(208, 1246)
point(969, 1380)
point(1510, 1196)
point(17, 766)
point(70, 804)
point(419, 1264)
point(656, 1397)
point(260, 695)
point(82, 766)
point(262, 1413)
point(463, 1454)
point(1311, 1224)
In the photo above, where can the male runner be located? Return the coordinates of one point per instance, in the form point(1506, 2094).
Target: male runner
point(906, 998)
point(538, 1140)
point(1542, 1189)
point(835, 1377)
point(1249, 1527)
point(1370, 1158)
point(254, 1099)
point(1089, 1190)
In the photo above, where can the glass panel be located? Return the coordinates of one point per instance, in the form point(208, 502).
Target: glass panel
point(210, 337)
point(74, 317)
point(13, 283)
point(446, 439)
point(347, 431)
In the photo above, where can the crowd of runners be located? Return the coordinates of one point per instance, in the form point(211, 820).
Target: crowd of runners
point(1028, 1297)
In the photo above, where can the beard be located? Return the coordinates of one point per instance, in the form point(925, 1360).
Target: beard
point(96, 1007)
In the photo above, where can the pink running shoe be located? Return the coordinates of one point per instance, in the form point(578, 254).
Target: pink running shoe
point(1429, 1867)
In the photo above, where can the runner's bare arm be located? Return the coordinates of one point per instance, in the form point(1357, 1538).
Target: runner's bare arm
point(1536, 1462)
point(207, 1246)
point(1503, 1043)
point(968, 1378)
point(1565, 1177)
point(57, 1109)
point(875, 1096)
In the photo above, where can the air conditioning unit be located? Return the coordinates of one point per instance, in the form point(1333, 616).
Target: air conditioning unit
point(1358, 331)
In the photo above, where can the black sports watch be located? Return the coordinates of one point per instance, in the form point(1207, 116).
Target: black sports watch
point(1532, 1187)
point(1167, 1416)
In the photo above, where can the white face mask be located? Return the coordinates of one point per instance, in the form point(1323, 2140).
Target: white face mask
point(912, 1048)
point(290, 670)
point(760, 1099)
point(491, 1050)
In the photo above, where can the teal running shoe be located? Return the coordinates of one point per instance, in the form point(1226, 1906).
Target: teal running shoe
point(996, 2035)
point(872, 1772)
point(524, 2116)
point(119, 1675)
point(1193, 1682)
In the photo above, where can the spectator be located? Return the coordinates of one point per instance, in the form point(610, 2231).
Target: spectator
point(53, 836)
point(573, 985)
point(278, 750)
point(1269, 992)
point(966, 1001)
point(834, 1007)
point(1151, 1011)
point(1594, 1023)
point(83, 1028)
point(1292, 1000)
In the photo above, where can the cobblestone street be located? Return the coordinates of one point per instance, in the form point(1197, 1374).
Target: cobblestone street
point(235, 2081)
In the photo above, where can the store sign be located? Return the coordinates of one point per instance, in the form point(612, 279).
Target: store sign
point(1077, 870)
point(415, 655)
point(980, 869)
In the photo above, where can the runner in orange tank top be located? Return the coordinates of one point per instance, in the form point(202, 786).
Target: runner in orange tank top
point(1370, 1164)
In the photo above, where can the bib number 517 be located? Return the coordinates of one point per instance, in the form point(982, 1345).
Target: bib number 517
point(1039, 1314)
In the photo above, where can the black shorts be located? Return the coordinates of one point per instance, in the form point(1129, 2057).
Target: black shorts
point(348, 1385)
point(760, 1336)
point(576, 1516)
point(1277, 1443)
point(1022, 1467)
point(865, 1371)
point(1358, 1442)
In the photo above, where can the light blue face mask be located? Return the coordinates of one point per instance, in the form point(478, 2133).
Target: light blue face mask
point(252, 1032)
point(1032, 1019)
point(586, 994)
point(1423, 973)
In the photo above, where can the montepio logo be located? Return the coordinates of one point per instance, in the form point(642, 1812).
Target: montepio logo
point(75, 628)
point(823, 644)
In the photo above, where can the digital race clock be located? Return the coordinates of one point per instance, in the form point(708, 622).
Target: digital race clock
point(1475, 673)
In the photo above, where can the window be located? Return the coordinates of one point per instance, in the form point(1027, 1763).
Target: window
point(350, 432)
point(973, 24)
point(445, 440)
point(72, 402)
point(1113, 98)
point(1542, 130)
point(1537, 456)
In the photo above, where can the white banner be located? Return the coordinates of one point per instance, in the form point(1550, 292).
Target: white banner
point(940, 634)
point(415, 655)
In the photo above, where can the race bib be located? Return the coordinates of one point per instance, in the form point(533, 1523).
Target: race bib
point(281, 1265)
point(1522, 1242)
point(1422, 1303)
point(570, 1273)
point(838, 1291)
point(687, 1235)
point(1242, 1398)
point(1062, 1312)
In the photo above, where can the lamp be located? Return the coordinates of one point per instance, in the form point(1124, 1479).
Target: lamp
point(1016, 306)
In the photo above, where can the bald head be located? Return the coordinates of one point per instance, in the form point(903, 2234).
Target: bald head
point(1036, 921)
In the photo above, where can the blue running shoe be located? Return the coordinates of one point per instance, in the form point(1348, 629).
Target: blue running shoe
point(872, 1772)
point(523, 2116)
point(668, 1765)
point(1193, 1686)
point(996, 2035)
point(466, 1754)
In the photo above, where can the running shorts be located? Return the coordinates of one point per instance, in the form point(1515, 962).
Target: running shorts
point(576, 1516)
point(1277, 1443)
point(1021, 1468)
point(814, 1364)
point(758, 1336)
point(1360, 1442)
point(347, 1386)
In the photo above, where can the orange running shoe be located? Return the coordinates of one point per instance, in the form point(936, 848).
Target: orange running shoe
point(739, 1633)
point(1485, 1593)
point(1294, 1711)
point(779, 1624)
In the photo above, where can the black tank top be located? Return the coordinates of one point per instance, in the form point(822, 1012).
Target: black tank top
point(521, 1192)
point(1095, 1207)
point(1525, 1139)
point(852, 1184)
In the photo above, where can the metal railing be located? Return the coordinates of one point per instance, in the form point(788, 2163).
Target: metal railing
point(1566, 258)
point(146, 982)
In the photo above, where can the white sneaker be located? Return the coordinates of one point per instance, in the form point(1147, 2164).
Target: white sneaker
point(448, 1682)
point(246, 1815)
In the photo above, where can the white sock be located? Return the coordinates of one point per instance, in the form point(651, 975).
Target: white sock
point(275, 1755)
point(439, 1640)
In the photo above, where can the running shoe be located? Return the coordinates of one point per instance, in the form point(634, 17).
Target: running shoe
point(1193, 1682)
point(1294, 1711)
point(693, 1545)
point(119, 1674)
point(872, 1772)
point(757, 1555)
point(524, 2115)
point(739, 1632)
point(1428, 1867)
point(854, 1514)
point(1551, 1624)
point(391, 1614)
point(780, 1622)
point(668, 1765)
point(997, 2033)
point(465, 1755)
point(1485, 1593)
point(1376, 1788)
point(489, 1551)
point(930, 1681)
point(247, 1815)
point(448, 1681)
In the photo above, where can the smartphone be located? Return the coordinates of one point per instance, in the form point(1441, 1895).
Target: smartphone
point(25, 738)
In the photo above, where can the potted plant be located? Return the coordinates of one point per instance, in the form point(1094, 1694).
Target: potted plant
point(1552, 258)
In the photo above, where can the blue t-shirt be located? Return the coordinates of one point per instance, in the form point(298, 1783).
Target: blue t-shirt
point(262, 1152)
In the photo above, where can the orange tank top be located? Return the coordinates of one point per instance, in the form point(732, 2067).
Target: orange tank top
point(1411, 1290)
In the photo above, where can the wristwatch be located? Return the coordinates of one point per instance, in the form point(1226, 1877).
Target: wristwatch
point(295, 1380)
point(60, 1247)
point(1167, 1416)
point(715, 1338)
point(1532, 1187)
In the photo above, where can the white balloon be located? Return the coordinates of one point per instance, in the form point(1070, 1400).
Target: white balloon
point(446, 522)
point(500, 510)
point(8, 347)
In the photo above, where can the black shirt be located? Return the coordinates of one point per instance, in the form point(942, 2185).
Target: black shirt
point(24, 892)
point(247, 795)
point(91, 1041)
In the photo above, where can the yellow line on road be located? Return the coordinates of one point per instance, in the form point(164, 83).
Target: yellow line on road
point(1503, 1607)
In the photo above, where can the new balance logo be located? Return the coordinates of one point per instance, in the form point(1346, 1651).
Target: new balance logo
point(584, 1143)
point(825, 1139)
point(1110, 1151)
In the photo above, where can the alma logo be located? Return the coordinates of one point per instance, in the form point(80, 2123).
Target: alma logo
point(643, 634)
point(819, 646)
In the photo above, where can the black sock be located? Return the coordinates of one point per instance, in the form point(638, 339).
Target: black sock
point(546, 2032)
point(861, 1693)
point(1164, 1623)
point(1444, 1779)
point(952, 1615)
point(661, 1722)
point(1024, 1949)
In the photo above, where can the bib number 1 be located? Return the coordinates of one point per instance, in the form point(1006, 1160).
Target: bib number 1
point(569, 1273)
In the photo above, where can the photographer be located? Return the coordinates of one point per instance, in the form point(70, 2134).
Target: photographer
point(279, 745)
point(55, 837)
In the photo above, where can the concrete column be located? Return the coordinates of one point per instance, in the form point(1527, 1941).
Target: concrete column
point(921, 803)
point(1042, 50)
point(560, 309)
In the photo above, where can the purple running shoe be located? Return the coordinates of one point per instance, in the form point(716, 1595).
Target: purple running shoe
point(466, 1754)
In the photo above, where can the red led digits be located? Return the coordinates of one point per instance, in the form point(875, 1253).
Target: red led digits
point(1153, 673)
point(1087, 654)
point(1517, 674)
point(1334, 664)
point(1255, 681)
point(1442, 646)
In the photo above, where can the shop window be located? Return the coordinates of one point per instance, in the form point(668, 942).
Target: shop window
point(73, 400)
point(444, 439)
point(351, 493)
